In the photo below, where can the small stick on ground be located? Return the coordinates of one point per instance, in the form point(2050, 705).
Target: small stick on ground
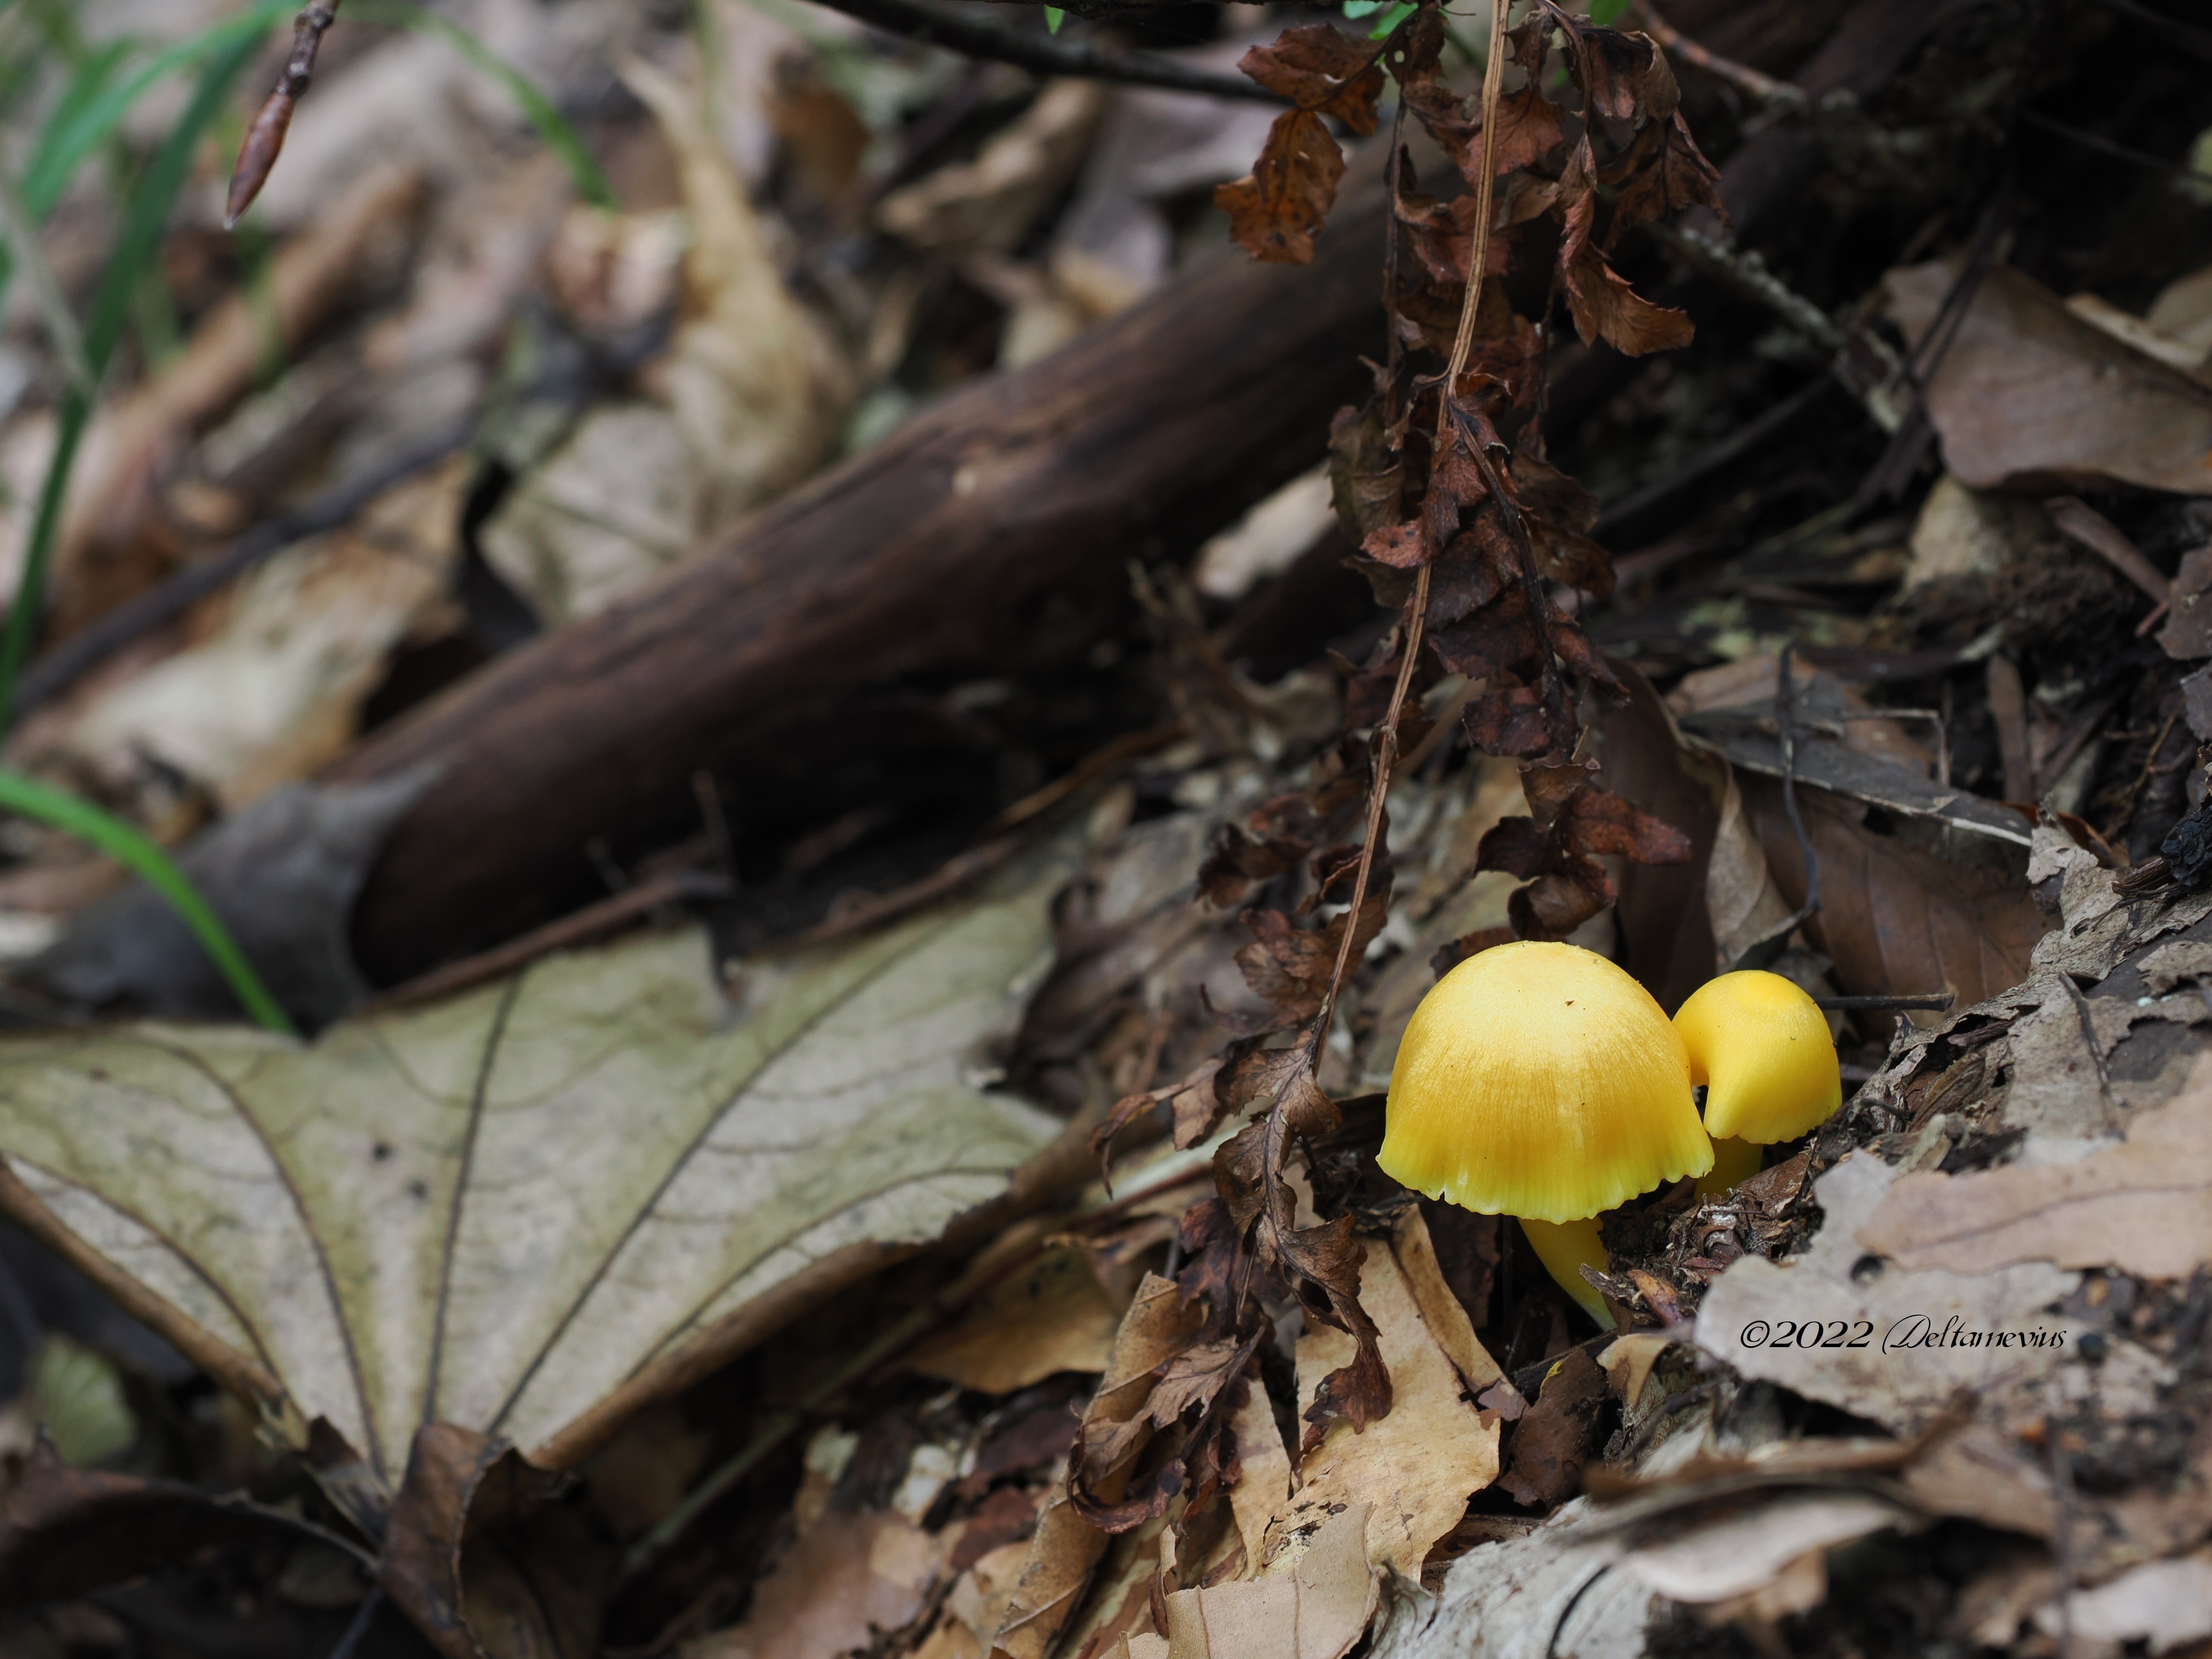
point(2082, 523)
point(1884, 1004)
point(1045, 54)
point(1785, 714)
point(1742, 76)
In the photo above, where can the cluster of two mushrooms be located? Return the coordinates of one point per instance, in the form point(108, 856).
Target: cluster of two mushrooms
point(1541, 1081)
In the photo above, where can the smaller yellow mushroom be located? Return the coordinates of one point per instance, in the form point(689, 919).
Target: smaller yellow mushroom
point(1541, 1081)
point(1761, 1047)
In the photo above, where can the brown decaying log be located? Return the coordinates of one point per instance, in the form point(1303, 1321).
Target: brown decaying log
point(949, 550)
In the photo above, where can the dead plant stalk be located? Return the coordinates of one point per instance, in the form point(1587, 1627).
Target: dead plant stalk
point(1417, 607)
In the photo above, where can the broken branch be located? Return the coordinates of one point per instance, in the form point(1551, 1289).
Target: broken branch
point(913, 20)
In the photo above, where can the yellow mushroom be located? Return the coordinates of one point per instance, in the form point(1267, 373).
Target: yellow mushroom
point(1761, 1047)
point(1541, 1081)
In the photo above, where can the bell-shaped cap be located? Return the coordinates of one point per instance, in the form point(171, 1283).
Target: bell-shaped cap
point(1541, 1081)
point(1761, 1047)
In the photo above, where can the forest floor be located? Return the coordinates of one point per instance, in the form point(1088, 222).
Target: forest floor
point(730, 759)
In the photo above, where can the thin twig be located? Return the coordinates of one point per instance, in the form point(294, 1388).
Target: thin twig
point(913, 20)
point(564, 933)
point(363, 1616)
point(1744, 269)
point(2143, 780)
point(1378, 791)
point(1909, 440)
point(2082, 523)
point(1785, 714)
point(1493, 79)
point(1417, 607)
point(74, 658)
point(264, 134)
point(1742, 76)
point(1932, 1000)
point(1749, 436)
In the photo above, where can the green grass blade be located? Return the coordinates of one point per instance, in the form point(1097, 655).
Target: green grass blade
point(136, 249)
point(147, 860)
point(90, 110)
point(76, 133)
point(553, 128)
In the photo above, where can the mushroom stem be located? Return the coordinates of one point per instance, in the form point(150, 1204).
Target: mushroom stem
point(1735, 1159)
point(1563, 1248)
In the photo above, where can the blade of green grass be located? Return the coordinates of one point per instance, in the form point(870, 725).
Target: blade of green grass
point(136, 249)
point(76, 131)
point(90, 109)
point(553, 128)
point(146, 860)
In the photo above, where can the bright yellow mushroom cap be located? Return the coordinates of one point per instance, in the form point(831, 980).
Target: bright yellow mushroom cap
point(1760, 1044)
point(1541, 1081)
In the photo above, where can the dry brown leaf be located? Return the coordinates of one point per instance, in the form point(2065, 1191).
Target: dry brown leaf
point(989, 203)
point(748, 400)
point(1746, 1552)
point(1741, 900)
point(276, 689)
point(1666, 936)
point(1553, 1442)
point(1896, 919)
point(1278, 209)
point(1983, 1475)
point(1627, 1362)
point(1414, 1469)
point(2029, 394)
point(2188, 636)
point(1066, 1548)
point(1315, 1609)
point(480, 1559)
point(2144, 1207)
point(1263, 1482)
point(1966, 532)
point(1442, 1311)
point(1051, 1316)
point(855, 1573)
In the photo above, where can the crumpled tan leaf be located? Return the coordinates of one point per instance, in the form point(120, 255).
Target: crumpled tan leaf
point(1909, 1370)
point(276, 689)
point(1738, 1556)
point(1066, 1548)
point(747, 401)
point(2144, 1207)
point(1315, 1609)
point(1414, 1469)
point(1052, 1316)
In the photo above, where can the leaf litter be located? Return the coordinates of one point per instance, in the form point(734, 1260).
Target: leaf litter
point(609, 1346)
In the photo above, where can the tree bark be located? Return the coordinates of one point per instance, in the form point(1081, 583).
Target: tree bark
point(992, 524)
